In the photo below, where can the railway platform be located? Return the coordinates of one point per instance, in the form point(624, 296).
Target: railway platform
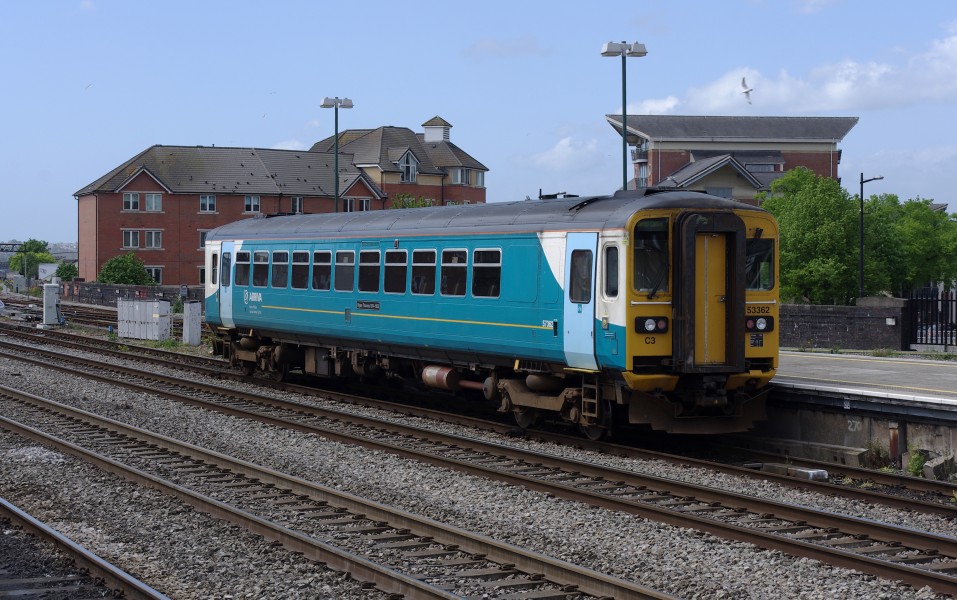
point(846, 407)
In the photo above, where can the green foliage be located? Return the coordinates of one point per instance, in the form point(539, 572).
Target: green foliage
point(125, 269)
point(915, 466)
point(67, 271)
point(28, 258)
point(410, 201)
point(906, 246)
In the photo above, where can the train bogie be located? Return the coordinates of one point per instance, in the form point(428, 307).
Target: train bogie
point(649, 308)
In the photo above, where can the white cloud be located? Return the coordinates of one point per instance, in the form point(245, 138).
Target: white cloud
point(569, 155)
point(841, 86)
point(655, 106)
point(289, 145)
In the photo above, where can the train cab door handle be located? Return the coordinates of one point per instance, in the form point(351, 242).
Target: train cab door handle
point(722, 298)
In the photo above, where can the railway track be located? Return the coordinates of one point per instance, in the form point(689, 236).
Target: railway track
point(891, 489)
point(892, 552)
point(87, 575)
point(393, 550)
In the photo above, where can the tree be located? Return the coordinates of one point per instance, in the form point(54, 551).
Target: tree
point(125, 269)
point(410, 201)
point(818, 237)
point(28, 258)
point(929, 240)
point(67, 271)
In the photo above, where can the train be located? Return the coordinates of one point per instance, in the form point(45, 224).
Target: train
point(654, 308)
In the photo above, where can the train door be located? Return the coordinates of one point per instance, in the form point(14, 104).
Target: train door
point(226, 284)
point(579, 309)
point(711, 296)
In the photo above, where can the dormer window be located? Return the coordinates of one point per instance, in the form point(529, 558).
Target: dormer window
point(409, 166)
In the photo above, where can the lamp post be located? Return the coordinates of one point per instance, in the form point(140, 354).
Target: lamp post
point(863, 181)
point(335, 103)
point(624, 49)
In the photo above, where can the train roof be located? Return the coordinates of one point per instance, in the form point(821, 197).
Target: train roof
point(586, 212)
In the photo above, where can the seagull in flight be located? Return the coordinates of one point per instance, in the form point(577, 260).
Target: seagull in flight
point(746, 90)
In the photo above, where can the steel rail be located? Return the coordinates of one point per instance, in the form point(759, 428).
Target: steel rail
point(587, 580)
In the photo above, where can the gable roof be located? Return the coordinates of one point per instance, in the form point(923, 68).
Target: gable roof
point(211, 170)
point(385, 145)
point(699, 169)
point(729, 129)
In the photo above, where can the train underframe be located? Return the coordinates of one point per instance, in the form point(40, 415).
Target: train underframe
point(530, 390)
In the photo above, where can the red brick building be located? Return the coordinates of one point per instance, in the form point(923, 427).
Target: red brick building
point(160, 203)
point(733, 157)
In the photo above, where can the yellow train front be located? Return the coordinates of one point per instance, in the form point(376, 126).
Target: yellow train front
point(701, 308)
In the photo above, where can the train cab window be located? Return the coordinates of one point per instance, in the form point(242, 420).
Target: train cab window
point(260, 269)
point(369, 271)
point(396, 269)
point(454, 272)
point(423, 272)
point(321, 270)
point(280, 269)
point(214, 263)
point(486, 273)
point(242, 268)
point(300, 270)
point(580, 277)
point(651, 256)
point(611, 271)
point(345, 271)
point(759, 265)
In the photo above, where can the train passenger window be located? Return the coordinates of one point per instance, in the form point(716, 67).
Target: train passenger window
point(651, 256)
point(280, 269)
point(396, 269)
point(369, 271)
point(242, 268)
point(759, 265)
point(580, 277)
point(214, 263)
point(345, 271)
point(454, 272)
point(423, 272)
point(611, 271)
point(321, 270)
point(300, 270)
point(486, 273)
point(260, 269)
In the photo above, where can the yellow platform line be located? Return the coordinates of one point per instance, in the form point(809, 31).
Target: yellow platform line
point(404, 318)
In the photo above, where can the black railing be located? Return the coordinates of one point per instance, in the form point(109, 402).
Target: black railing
point(933, 317)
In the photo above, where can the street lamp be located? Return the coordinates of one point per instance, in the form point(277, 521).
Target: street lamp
point(623, 49)
point(863, 181)
point(335, 103)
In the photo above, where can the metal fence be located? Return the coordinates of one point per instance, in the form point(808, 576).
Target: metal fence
point(107, 295)
point(933, 317)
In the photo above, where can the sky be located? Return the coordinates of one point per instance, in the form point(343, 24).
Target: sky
point(87, 84)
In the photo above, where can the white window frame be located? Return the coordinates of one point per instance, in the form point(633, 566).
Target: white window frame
point(153, 202)
point(207, 203)
point(251, 203)
point(202, 237)
point(153, 239)
point(202, 276)
point(131, 238)
point(409, 166)
point(153, 271)
point(131, 201)
point(479, 178)
point(357, 204)
point(461, 176)
point(297, 204)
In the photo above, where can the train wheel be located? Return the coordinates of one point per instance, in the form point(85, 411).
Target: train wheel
point(593, 432)
point(248, 367)
point(525, 417)
point(281, 373)
point(601, 429)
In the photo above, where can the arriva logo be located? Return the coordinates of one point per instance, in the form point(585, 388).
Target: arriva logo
point(254, 296)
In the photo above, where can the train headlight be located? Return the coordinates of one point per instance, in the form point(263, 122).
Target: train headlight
point(759, 324)
point(651, 324)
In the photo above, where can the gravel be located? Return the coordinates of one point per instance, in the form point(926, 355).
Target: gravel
point(122, 522)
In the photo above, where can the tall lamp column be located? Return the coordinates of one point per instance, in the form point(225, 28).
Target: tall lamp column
point(624, 49)
point(863, 181)
point(335, 103)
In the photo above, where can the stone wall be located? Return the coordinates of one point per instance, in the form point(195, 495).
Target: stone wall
point(876, 323)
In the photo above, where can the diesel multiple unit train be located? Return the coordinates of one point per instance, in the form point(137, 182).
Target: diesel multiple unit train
point(645, 307)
